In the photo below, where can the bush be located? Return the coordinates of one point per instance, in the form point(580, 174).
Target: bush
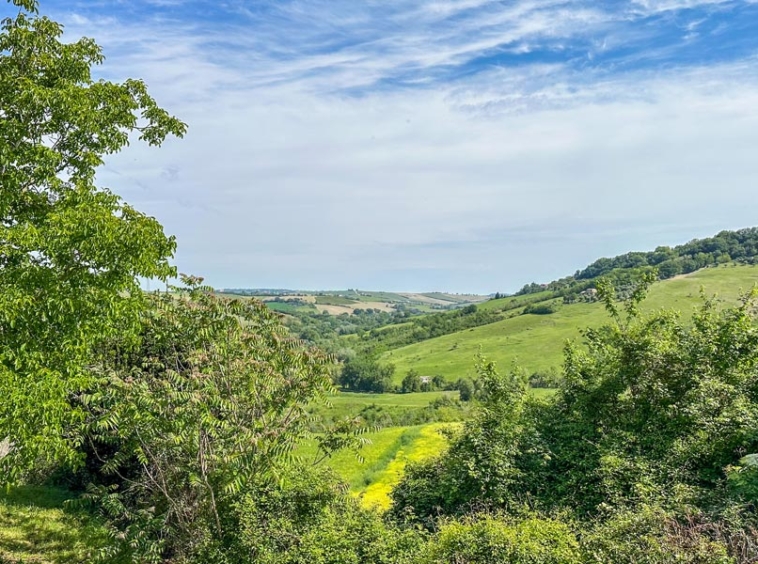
point(309, 519)
point(541, 308)
point(545, 379)
point(651, 535)
point(488, 540)
point(214, 396)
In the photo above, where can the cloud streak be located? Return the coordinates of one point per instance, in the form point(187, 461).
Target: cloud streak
point(464, 145)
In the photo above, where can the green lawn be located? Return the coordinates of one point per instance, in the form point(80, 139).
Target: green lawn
point(536, 342)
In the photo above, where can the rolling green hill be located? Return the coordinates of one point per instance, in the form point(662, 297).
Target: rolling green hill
point(536, 342)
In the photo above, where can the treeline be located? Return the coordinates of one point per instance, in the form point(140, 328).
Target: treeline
point(324, 330)
point(425, 327)
point(377, 331)
point(728, 246)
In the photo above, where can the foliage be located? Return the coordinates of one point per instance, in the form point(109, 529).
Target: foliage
point(740, 245)
point(653, 536)
point(70, 253)
point(411, 382)
point(491, 539)
point(645, 432)
point(653, 405)
point(365, 374)
point(541, 308)
point(480, 467)
point(466, 389)
point(308, 520)
point(743, 478)
point(425, 327)
point(550, 379)
point(213, 397)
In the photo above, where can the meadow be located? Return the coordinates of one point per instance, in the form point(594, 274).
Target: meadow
point(372, 471)
point(536, 342)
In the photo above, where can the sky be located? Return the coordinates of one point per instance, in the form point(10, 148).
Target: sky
point(422, 145)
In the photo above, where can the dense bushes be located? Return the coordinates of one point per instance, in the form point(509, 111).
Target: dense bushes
point(541, 308)
point(489, 539)
point(212, 397)
point(308, 519)
point(648, 429)
point(652, 535)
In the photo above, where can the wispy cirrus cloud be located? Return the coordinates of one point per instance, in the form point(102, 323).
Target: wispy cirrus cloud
point(462, 145)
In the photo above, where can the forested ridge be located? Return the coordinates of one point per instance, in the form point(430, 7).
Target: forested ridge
point(171, 427)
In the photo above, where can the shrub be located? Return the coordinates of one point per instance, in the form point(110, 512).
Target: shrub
point(489, 539)
point(541, 308)
point(651, 535)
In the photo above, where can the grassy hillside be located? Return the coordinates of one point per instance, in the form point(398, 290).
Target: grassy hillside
point(536, 341)
point(349, 404)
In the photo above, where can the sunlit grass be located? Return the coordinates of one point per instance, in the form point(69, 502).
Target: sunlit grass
point(428, 442)
point(378, 466)
point(536, 342)
point(37, 527)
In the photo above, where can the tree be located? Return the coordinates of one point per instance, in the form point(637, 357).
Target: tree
point(466, 389)
point(411, 382)
point(438, 382)
point(365, 374)
point(210, 400)
point(70, 252)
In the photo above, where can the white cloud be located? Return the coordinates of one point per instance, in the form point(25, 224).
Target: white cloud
point(513, 174)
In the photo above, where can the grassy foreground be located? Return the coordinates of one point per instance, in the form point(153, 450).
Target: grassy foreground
point(37, 527)
point(535, 342)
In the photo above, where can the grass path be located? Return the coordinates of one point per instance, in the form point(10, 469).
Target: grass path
point(378, 467)
point(427, 442)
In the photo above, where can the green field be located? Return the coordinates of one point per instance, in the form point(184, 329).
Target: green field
point(348, 404)
point(335, 300)
point(535, 342)
point(378, 466)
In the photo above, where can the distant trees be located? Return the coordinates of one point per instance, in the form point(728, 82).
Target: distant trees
point(366, 374)
point(411, 382)
point(426, 327)
point(740, 245)
point(541, 308)
point(466, 388)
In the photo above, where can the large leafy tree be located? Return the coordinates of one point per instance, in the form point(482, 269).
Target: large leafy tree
point(71, 252)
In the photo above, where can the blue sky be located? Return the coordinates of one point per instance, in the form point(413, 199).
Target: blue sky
point(461, 145)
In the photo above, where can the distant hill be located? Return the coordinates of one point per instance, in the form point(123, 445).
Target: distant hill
point(536, 341)
point(739, 246)
point(337, 302)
